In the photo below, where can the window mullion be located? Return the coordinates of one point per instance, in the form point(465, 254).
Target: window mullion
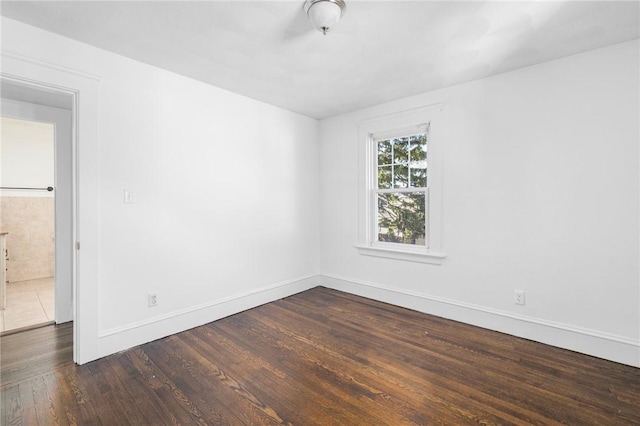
point(393, 156)
point(409, 163)
point(403, 190)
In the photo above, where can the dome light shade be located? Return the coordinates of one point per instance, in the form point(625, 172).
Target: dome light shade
point(324, 14)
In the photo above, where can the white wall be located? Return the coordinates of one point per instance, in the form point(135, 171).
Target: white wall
point(26, 150)
point(540, 190)
point(226, 195)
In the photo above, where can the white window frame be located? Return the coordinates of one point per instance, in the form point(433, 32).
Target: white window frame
point(389, 126)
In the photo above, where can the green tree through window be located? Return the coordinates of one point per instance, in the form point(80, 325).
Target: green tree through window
point(401, 189)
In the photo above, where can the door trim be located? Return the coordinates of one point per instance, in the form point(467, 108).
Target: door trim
point(84, 89)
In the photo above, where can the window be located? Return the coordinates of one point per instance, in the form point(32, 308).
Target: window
point(400, 197)
point(400, 192)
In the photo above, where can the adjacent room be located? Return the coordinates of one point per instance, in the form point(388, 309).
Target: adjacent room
point(27, 223)
point(325, 211)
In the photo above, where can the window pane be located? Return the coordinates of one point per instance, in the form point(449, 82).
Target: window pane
point(419, 147)
point(401, 150)
point(400, 176)
point(401, 218)
point(384, 177)
point(384, 152)
point(418, 178)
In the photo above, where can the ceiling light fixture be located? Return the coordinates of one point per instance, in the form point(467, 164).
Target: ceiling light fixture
point(324, 14)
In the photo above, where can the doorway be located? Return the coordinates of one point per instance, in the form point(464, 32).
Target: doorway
point(36, 210)
point(27, 223)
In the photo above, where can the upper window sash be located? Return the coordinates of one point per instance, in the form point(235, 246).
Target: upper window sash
point(401, 158)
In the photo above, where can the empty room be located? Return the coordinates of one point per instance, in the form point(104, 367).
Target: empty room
point(324, 212)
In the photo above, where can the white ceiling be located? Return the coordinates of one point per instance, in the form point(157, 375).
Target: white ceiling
point(380, 51)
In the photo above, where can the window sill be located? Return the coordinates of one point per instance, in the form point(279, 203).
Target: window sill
point(421, 256)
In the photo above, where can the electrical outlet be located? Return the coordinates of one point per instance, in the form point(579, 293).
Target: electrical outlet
point(153, 300)
point(518, 297)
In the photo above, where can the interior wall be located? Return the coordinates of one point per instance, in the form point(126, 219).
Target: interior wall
point(225, 192)
point(540, 193)
point(27, 157)
point(30, 239)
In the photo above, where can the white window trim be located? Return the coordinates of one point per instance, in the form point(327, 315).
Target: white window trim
point(390, 125)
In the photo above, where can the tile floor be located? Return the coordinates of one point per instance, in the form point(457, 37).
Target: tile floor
point(29, 303)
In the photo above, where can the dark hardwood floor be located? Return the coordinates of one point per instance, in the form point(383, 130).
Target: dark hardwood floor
point(321, 357)
point(35, 351)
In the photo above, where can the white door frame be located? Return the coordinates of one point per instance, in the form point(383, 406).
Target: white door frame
point(84, 89)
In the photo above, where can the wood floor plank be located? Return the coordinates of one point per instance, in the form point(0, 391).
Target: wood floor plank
point(115, 394)
point(206, 379)
point(95, 402)
point(258, 405)
point(30, 353)
point(61, 408)
point(139, 393)
point(65, 396)
point(321, 402)
point(321, 357)
point(175, 401)
point(11, 407)
point(27, 404)
point(181, 373)
point(46, 412)
point(79, 398)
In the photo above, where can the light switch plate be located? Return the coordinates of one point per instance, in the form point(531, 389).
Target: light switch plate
point(128, 196)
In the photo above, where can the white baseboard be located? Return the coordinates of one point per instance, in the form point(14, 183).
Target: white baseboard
point(134, 334)
point(591, 342)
